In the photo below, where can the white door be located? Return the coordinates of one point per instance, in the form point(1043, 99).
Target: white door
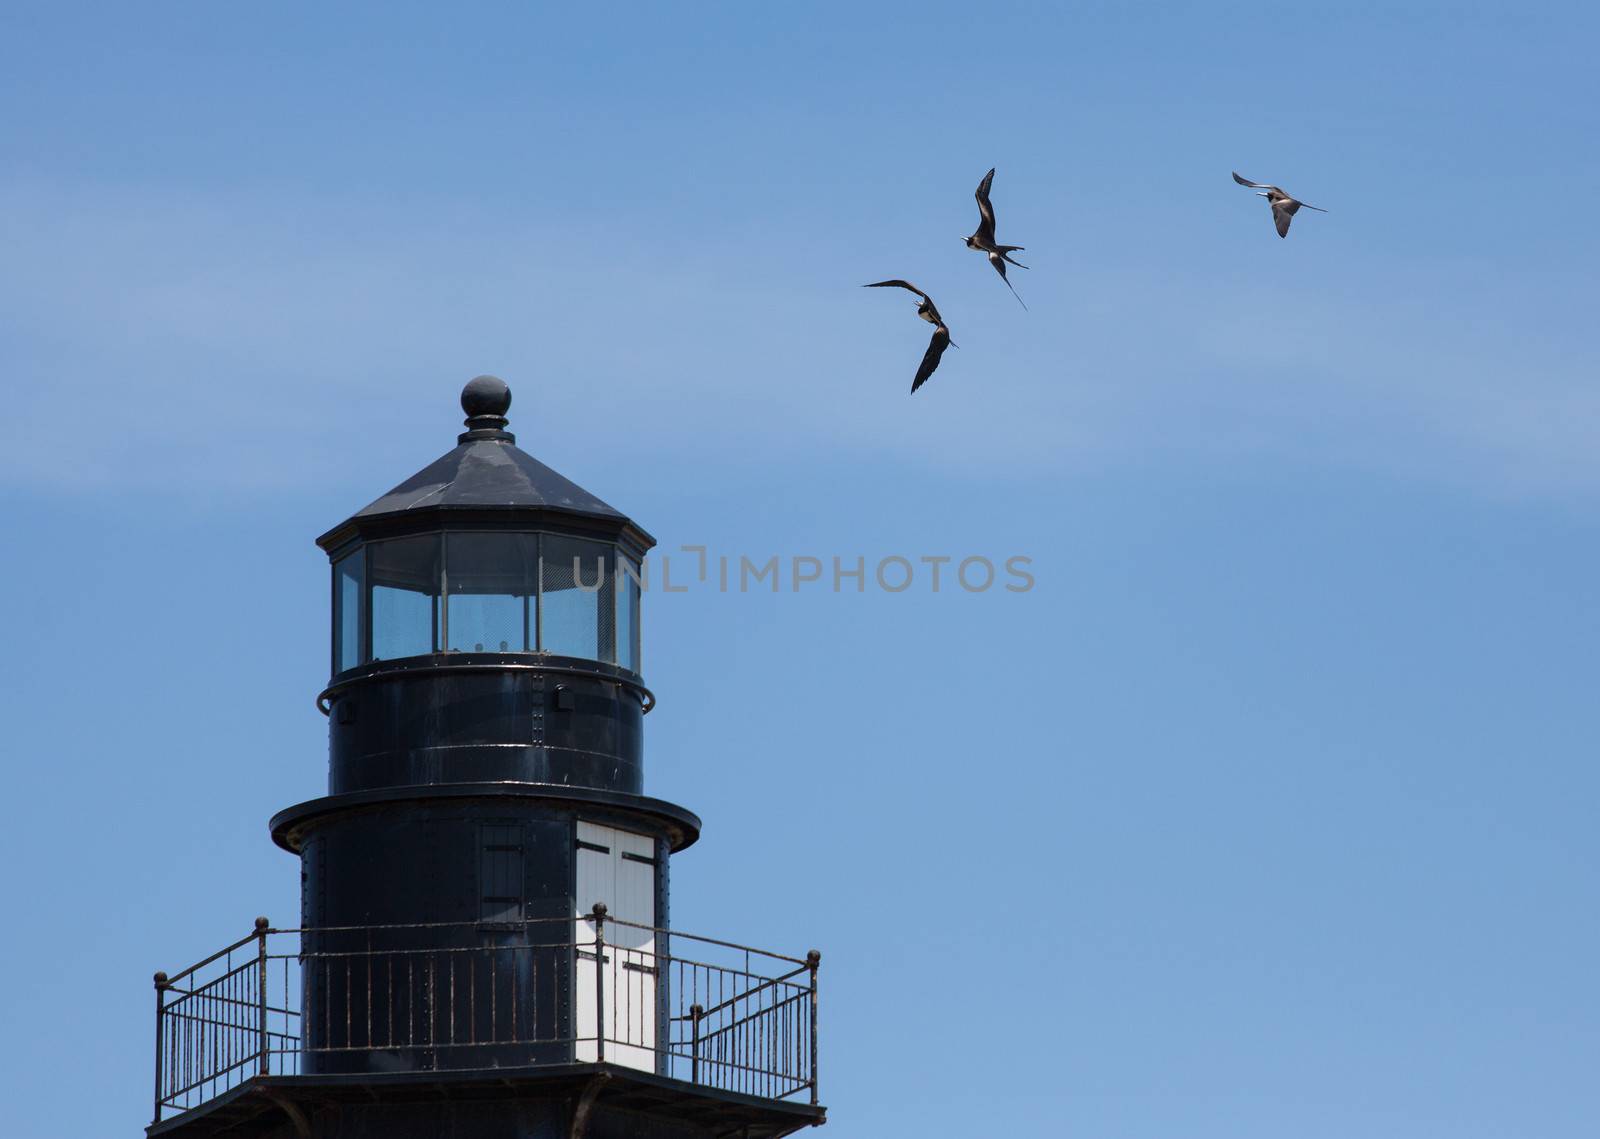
point(618, 868)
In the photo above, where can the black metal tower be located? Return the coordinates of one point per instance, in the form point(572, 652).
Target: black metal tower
point(484, 948)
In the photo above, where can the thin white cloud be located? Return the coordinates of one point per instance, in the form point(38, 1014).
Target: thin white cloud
point(310, 330)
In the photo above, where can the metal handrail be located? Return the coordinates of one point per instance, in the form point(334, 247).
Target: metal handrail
point(201, 964)
point(768, 983)
point(524, 922)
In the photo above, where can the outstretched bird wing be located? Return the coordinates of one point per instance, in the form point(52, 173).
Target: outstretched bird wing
point(985, 234)
point(897, 283)
point(930, 358)
point(1252, 185)
point(1282, 210)
point(933, 309)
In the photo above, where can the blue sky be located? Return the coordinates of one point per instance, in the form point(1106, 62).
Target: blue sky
point(1270, 810)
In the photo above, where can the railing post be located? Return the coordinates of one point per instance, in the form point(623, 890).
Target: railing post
point(161, 1027)
point(261, 996)
point(600, 982)
point(695, 1013)
point(813, 959)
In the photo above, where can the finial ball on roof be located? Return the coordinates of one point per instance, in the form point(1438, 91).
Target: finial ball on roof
point(486, 395)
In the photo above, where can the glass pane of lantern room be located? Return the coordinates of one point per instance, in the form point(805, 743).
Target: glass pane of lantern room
point(348, 573)
point(491, 583)
point(577, 606)
point(405, 596)
point(628, 613)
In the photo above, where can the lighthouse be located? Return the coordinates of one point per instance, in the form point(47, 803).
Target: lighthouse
point(484, 947)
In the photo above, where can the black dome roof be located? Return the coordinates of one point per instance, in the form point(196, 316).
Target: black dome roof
point(486, 471)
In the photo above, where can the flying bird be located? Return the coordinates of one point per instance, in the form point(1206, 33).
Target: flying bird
point(929, 312)
point(983, 239)
point(1283, 206)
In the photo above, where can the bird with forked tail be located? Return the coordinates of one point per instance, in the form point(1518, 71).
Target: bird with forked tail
point(983, 239)
point(1283, 206)
point(929, 312)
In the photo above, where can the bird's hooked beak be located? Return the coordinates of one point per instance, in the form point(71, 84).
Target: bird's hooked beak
point(1262, 194)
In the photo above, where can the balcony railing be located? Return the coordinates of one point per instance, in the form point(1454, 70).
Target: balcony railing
point(459, 997)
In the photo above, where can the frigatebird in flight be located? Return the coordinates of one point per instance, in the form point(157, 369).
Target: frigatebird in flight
point(983, 239)
point(1283, 206)
point(929, 312)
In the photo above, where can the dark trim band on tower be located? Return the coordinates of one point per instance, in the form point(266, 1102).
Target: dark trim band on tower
point(243, 1109)
point(681, 826)
point(442, 663)
point(627, 535)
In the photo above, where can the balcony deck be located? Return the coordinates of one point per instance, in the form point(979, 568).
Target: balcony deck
point(287, 1022)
